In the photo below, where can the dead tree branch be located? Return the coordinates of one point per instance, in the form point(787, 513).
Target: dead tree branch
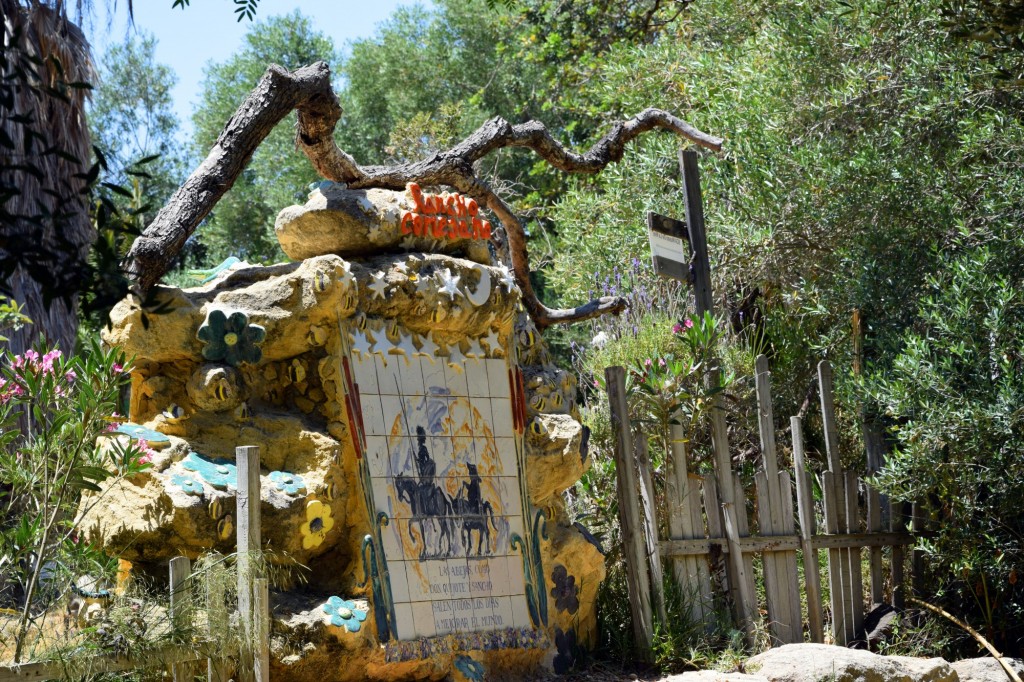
point(309, 91)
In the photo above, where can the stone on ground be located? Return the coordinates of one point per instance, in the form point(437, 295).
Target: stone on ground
point(813, 662)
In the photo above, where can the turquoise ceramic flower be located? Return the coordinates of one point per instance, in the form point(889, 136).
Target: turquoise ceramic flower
point(342, 613)
point(188, 484)
point(219, 473)
point(290, 484)
point(231, 338)
point(473, 670)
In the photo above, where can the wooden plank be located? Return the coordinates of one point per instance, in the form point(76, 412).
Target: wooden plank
point(261, 625)
point(854, 553)
point(792, 574)
point(180, 569)
point(748, 597)
point(650, 525)
point(717, 563)
point(835, 560)
point(216, 629)
point(805, 507)
point(744, 532)
point(896, 521)
point(629, 514)
point(774, 594)
point(784, 543)
point(783, 614)
point(875, 526)
point(248, 537)
point(685, 523)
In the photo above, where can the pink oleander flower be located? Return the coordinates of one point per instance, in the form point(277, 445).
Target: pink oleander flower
point(647, 362)
point(118, 368)
point(70, 376)
point(687, 323)
point(661, 362)
point(46, 363)
point(147, 452)
point(677, 328)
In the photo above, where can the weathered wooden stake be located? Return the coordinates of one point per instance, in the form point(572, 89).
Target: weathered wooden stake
point(686, 523)
point(216, 628)
point(805, 506)
point(261, 627)
point(180, 570)
point(650, 521)
point(629, 514)
point(247, 459)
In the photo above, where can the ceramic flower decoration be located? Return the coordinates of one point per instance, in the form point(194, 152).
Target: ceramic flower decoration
point(342, 613)
point(318, 524)
point(219, 473)
point(231, 339)
point(471, 669)
point(290, 484)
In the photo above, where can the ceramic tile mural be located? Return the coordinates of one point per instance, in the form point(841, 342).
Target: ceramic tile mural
point(443, 466)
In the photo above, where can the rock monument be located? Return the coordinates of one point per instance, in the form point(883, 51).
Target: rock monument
point(414, 437)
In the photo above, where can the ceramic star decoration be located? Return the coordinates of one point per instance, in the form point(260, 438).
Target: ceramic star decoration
point(408, 243)
point(493, 344)
point(361, 344)
point(456, 360)
point(401, 267)
point(374, 234)
point(428, 348)
point(449, 284)
point(475, 351)
point(406, 348)
point(424, 283)
point(379, 287)
point(346, 273)
point(507, 278)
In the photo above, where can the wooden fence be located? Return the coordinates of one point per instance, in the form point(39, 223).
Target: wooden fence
point(711, 549)
point(253, 660)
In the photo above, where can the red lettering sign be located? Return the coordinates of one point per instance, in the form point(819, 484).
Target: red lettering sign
point(443, 216)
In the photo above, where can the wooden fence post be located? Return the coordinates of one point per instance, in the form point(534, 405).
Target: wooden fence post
point(632, 528)
point(897, 521)
point(650, 521)
point(704, 303)
point(247, 460)
point(686, 523)
point(261, 627)
point(782, 589)
point(805, 506)
point(180, 570)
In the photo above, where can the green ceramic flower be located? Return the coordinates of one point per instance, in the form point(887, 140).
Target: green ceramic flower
point(231, 338)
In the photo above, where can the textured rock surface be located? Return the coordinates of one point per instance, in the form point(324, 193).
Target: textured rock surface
point(807, 662)
point(713, 676)
point(358, 223)
point(287, 395)
point(986, 669)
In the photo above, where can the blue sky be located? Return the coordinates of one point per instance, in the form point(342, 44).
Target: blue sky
point(207, 31)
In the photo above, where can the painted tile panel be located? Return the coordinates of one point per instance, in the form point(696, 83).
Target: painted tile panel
point(442, 463)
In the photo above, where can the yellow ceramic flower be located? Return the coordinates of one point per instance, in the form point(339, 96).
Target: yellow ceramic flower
point(318, 524)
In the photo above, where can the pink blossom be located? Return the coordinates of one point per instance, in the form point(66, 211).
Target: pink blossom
point(147, 452)
point(687, 323)
point(70, 376)
point(596, 385)
point(46, 364)
point(661, 362)
point(117, 368)
point(676, 328)
point(647, 362)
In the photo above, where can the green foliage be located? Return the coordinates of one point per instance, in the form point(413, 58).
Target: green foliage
point(131, 118)
point(242, 224)
point(11, 316)
point(53, 409)
point(956, 395)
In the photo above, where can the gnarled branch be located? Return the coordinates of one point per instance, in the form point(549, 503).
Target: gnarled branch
point(309, 91)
